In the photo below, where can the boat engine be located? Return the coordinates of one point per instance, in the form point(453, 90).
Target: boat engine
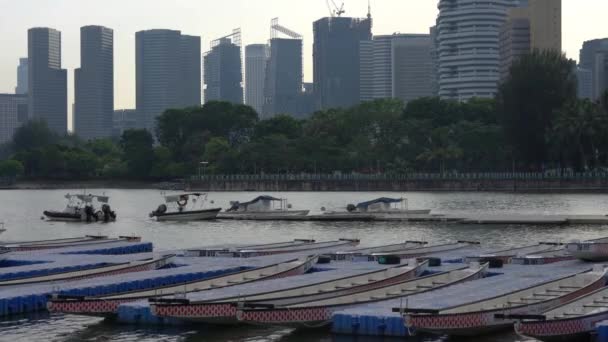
point(108, 214)
point(90, 214)
point(159, 211)
point(351, 208)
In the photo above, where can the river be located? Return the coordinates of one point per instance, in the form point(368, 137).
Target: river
point(21, 210)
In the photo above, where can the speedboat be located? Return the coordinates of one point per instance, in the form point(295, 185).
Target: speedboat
point(262, 206)
point(382, 206)
point(185, 207)
point(84, 208)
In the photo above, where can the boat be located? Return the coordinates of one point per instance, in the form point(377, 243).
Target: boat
point(223, 310)
point(66, 243)
point(301, 312)
point(572, 321)
point(96, 272)
point(326, 246)
point(548, 257)
point(108, 305)
point(229, 251)
point(261, 206)
point(84, 208)
point(185, 207)
point(383, 206)
point(484, 316)
point(592, 250)
point(507, 256)
point(423, 251)
point(365, 252)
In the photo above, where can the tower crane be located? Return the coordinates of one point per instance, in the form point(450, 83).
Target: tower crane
point(334, 9)
point(275, 29)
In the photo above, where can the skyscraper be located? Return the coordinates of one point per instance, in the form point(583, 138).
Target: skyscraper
point(47, 82)
point(223, 73)
point(94, 84)
point(593, 57)
point(283, 86)
point(256, 57)
point(167, 73)
point(22, 76)
point(13, 113)
point(336, 53)
point(397, 66)
point(468, 34)
point(534, 25)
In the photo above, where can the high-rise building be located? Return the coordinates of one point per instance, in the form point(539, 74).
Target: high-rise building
point(94, 84)
point(22, 76)
point(283, 85)
point(396, 66)
point(122, 120)
point(47, 82)
point(468, 34)
point(223, 75)
point(412, 71)
point(593, 57)
point(585, 83)
point(13, 113)
point(256, 57)
point(167, 73)
point(434, 61)
point(336, 53)
point(534, 25)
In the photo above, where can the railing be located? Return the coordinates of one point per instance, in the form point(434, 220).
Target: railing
point(523, 176)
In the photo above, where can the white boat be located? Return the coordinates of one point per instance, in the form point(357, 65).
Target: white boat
point(383, 206)
point(185, 207)
point(302, 312)
point(261, 206)
point(84, 208)
point(592, 250)
point(487, 316)
point(423, 251)
point(573, 321)
point(507, 256)
point(224, 310)
point(108, 305)
point(365, 252)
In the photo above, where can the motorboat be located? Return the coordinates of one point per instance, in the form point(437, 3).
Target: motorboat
point(574, 321)
point(84, 208)
point(262, 206)
point(486, 316)
point(185, 207)
point(382, 206)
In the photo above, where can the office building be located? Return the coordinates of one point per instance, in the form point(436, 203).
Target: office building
point(256, 57)
point(336, 60)
point(223, 74)
point(396, 66)
point(283, 85)
point(47, 81)
point(167, 73)
point(94, 84)
point(13, 113)
point(593, 58)
point(534, 25)
point(585, 83)
point(123, 120)
point(469, 57)
point(434, 61)
point(22, 76)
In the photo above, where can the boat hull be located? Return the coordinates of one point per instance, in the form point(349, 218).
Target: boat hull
point(244, 215)
point(589, 251)
point(579, 328)
point(62, 217)
point(198, 215)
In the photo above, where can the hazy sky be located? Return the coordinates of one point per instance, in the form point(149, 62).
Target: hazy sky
point(582, 20)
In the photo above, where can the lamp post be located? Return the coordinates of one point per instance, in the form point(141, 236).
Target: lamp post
point(201, 165)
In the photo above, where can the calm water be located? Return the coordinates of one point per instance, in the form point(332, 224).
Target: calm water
point(21, 211)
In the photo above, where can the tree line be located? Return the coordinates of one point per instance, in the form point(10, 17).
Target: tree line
point(535, 123)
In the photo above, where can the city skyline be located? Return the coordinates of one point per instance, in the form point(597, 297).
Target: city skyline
point(196, 19)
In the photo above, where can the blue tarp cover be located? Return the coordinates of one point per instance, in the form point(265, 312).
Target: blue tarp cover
point(379, 200)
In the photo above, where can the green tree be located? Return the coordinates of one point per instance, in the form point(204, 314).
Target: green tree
point(538, 85)
point(11, 168)
point(33, 134)
point(137, 146)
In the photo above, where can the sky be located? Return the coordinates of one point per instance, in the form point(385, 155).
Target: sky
point(210, 19)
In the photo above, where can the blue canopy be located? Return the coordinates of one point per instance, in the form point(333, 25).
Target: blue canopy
point(384, 200)
point(261, 198)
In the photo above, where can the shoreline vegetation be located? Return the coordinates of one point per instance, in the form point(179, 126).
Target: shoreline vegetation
point(535, 125)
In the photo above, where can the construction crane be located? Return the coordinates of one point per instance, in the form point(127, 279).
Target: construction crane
point(335, 10)
point(275, 29)
point(235, 38)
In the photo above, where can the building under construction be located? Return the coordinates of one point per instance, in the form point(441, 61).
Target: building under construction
point(283, 90)
point(223, 75)
point(336, 54)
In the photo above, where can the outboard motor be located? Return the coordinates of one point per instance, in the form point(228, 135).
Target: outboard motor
point(351, 208)
point(90, 214)
point(108, 214)
point(159, 211)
